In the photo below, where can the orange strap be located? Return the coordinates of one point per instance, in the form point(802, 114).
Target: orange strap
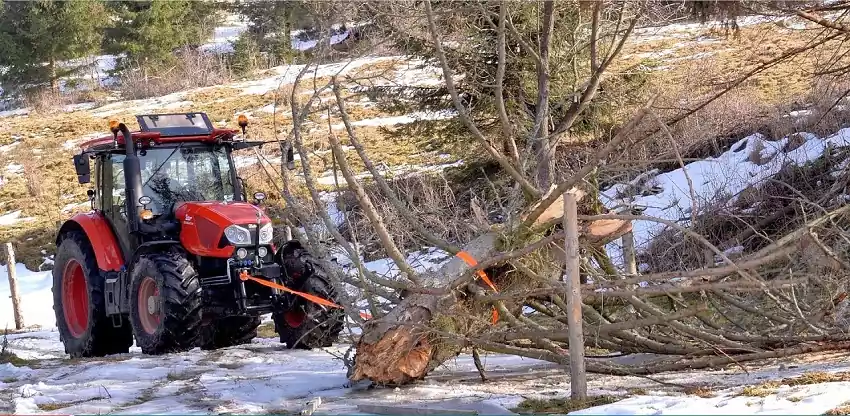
point(468, 259)
point(244, 276)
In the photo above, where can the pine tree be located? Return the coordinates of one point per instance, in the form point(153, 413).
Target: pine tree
point(36, 36)
point(147, 33)
point(270, 23)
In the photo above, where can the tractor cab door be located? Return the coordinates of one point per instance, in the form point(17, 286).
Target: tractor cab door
point(112, 197)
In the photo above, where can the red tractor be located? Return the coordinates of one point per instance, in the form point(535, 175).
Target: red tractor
point(172, 253)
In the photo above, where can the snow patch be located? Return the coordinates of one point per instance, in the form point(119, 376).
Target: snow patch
point(404, 119)
point(715, 179)
point(35, 289)
point(14, 217)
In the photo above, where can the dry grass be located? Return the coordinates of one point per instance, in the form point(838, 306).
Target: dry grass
point(192, 70)
point(46, 101)
point(761, 390)
point(700, 391)
point(51, 407)
point(842, 410)
point(266, 331)
point(561, 405)
point(7, 357)
point(180, 375)
point(817, 377)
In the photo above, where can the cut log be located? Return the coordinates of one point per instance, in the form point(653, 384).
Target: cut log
point(395, 349)
point(601, 232)
point(555, 213)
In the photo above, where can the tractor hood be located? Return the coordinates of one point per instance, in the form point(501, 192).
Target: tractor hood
point(203, 224)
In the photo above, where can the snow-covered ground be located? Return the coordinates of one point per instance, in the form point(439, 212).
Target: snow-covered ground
point(263, 377)
point(225, 36)
point(36, 298)
point(749, 162)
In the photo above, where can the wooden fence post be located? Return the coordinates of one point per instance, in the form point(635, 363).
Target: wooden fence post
point(578, 377)
point(13, 286)
point(629, 254)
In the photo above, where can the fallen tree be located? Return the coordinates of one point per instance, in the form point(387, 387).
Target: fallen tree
point(502, 290)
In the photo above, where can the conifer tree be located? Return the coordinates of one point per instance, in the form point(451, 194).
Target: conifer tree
point(36, 36)
point(271, 22)
point(147, 33)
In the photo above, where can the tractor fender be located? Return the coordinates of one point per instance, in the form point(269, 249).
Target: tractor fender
point(96, 229)
point(288, 247)
point(152, 246)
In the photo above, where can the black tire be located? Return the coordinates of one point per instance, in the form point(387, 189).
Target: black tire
point(175, 323)
point(97, 336)
point(319, 326)
point(229, 331)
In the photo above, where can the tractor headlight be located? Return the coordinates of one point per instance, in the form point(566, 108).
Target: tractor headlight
point(262, 251)
point(241, 253)
point(237, 235)
point(266, 233)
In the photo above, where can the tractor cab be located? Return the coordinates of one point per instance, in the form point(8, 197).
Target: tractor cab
point(173, 159)
point(172, 250)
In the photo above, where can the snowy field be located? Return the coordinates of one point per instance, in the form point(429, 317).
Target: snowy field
point(263, 377)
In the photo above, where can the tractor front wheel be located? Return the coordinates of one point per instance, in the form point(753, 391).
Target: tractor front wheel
point(79, 304)
point(307, 324)
point(165, 303)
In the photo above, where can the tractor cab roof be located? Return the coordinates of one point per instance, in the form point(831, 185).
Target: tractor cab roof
point(158, 129)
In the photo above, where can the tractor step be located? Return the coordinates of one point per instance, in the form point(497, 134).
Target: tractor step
point(215, 280)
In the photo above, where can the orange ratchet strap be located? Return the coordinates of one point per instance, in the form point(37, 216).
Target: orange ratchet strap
point(468, 259)
point(244, 276)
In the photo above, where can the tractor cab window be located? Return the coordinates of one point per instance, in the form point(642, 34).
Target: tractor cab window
point(188, 124)
point(118, 185)
point(185, 173)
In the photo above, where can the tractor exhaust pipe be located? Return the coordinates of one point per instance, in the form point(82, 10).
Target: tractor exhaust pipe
point(132, 179)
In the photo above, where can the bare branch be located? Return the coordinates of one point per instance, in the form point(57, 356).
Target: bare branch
point(588, 167)
point(382, 183)
point(371, 213)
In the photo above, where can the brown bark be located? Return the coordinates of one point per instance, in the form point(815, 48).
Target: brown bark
point(540, 141)
point(393, 349)
point(13, 286)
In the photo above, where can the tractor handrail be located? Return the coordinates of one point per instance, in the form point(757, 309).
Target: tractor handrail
point(215, 136)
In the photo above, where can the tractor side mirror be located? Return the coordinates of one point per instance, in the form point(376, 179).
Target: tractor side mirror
point(242, 189)
point(83, 168)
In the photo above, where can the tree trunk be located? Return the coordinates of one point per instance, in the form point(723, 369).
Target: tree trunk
point(396, 348)
point(541, 145)
point(54, 80)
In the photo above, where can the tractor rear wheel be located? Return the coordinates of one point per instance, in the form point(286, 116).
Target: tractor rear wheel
point(229, 331)
point(165, 303)
point(307, 324)
point(79, 303)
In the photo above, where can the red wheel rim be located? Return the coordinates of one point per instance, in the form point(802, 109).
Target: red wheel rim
point(149, 305)
point(294, 318)
point(75, 298)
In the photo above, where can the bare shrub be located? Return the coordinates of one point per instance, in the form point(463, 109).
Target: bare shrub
point(431, 197)
point(45, 101)
point(191, 70)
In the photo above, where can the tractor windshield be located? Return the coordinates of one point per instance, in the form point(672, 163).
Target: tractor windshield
point(183, 173)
